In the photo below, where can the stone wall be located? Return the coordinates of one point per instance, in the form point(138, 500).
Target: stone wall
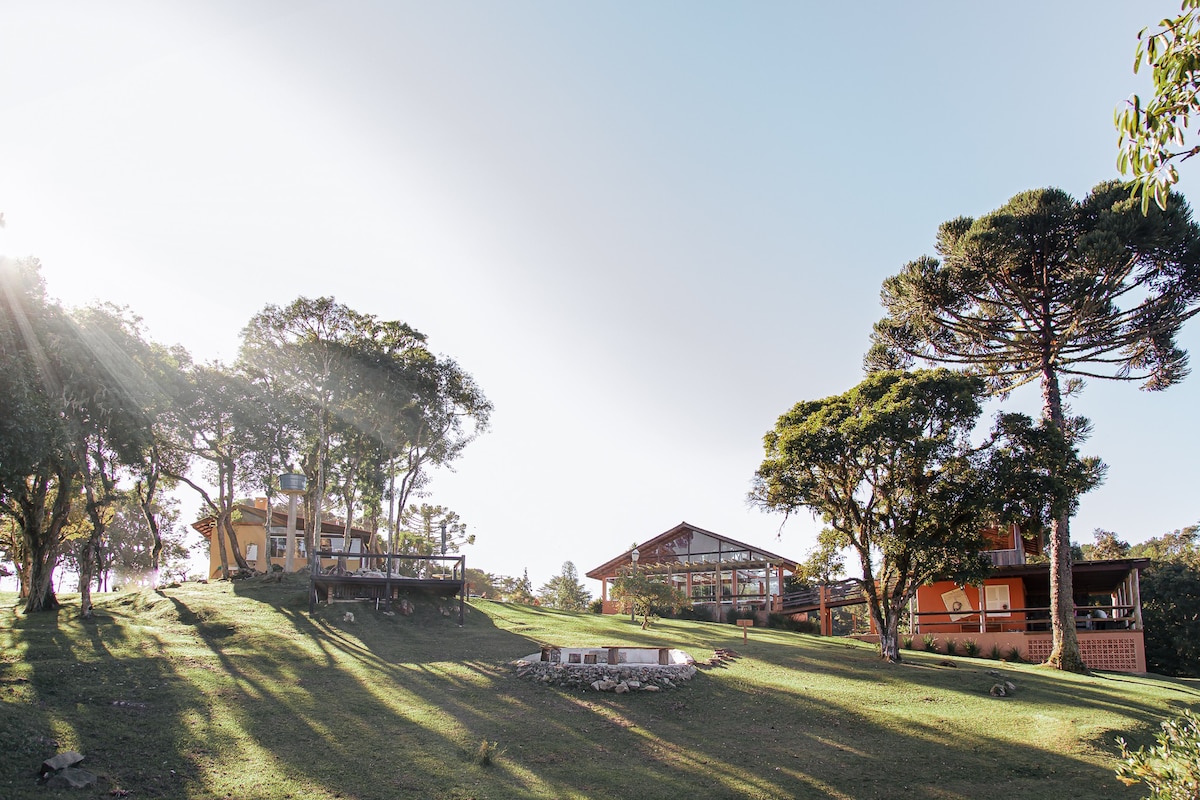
point(605, 677)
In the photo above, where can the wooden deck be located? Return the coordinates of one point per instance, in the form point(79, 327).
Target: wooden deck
point(442, 576)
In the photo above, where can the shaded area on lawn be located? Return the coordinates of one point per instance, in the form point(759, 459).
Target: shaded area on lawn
point(247, 695)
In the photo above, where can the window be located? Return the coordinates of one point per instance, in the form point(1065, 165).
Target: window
point(279, 546)
point(997, 598)
point(252, 551)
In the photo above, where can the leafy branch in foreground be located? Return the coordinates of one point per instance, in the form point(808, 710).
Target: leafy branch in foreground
point(1151, 134)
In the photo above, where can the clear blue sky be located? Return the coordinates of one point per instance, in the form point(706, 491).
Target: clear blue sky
point(646, 228)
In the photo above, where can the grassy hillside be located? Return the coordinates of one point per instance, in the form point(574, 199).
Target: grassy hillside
point(214, 691)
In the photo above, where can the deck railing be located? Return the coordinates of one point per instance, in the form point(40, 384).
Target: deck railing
point(398, 569)
point(1035, 620)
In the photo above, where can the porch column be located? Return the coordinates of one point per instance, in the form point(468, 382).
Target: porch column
point(1137, 598)
point(982, 609)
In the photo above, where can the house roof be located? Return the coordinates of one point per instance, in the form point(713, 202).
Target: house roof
point(257, 516)
point(608, 567)
point(1087, 577)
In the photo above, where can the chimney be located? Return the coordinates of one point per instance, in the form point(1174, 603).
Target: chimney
point(260, 502)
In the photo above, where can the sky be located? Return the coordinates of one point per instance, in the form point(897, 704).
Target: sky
point(646, 229)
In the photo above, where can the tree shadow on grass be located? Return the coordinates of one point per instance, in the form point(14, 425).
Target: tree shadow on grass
point(432, 695)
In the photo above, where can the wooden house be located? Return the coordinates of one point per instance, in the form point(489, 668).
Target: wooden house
point(719, 574)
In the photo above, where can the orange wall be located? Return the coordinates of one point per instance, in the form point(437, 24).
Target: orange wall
point(929, 599)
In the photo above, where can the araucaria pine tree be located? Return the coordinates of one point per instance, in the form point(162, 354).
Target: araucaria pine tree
point(1052, 290)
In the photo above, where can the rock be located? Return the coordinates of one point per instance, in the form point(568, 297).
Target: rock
point(71, 778)
point(1010, 687)
point(63, 760)
point(651, 688)
point(349, 617)
point(997, 690)
point(406, 607)
point(635, 684)
point(607, 686)
point(622, 688)
point(945, 662)
point(595, 686)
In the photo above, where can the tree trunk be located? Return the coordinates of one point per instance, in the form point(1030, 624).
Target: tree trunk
point(86, 560)
point(145, 495)
point(888, 624)
point(43, 555)
point(42, 537)
point(1065, 654)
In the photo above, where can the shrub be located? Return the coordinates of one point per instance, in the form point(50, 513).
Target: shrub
point(951, 646)
point(971, 648)
point(1170, 769)
point(994, 653)
point(930, 642)
point(906, 642)
point(486, 753)
point(1014, 654)
point(596, 606)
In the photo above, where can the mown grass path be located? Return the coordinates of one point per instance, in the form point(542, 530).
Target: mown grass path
point(232, 690)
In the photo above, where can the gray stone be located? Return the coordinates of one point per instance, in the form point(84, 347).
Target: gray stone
point(63, 760)
point(1010, 687)
point(650, 687)
point(71, 778)
point(622, 688)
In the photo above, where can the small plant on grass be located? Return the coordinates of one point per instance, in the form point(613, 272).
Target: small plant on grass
point(906, 642)
point(971, 648)
point(1170, 769)
point(1014, 654)
point(995, 653)
point(486, 753)
point(951, 646)
point(930, 642)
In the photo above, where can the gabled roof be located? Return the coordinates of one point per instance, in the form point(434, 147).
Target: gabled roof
point(608, 567)
point(257, 516)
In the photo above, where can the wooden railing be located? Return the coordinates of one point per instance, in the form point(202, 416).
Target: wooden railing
point(1035, 620)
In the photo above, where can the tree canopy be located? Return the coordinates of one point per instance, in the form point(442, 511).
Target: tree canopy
point(645, 594)
point(1044, 289)
point(890, 468)
point(95, 420)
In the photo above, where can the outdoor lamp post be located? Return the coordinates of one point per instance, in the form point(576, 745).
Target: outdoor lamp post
point(293, 485)
point(633, 603)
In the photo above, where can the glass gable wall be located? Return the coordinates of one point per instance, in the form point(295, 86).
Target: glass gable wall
point(711, 571)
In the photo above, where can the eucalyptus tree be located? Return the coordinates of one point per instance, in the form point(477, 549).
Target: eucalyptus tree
point(1044, 290)
point(38, 466)
point(300, 349)
point(214, 423)
point(75, 415)
point(374, 405)
point(113, 342)
point(890, 468)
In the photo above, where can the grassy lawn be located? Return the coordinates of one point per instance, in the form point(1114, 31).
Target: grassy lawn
point(232, 690)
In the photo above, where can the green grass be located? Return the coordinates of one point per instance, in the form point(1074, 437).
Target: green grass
point(215, 691)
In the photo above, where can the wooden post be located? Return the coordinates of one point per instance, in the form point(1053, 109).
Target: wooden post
point(1137, 598)
point(745, 625)
point(825, 625)
point(982, 609)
